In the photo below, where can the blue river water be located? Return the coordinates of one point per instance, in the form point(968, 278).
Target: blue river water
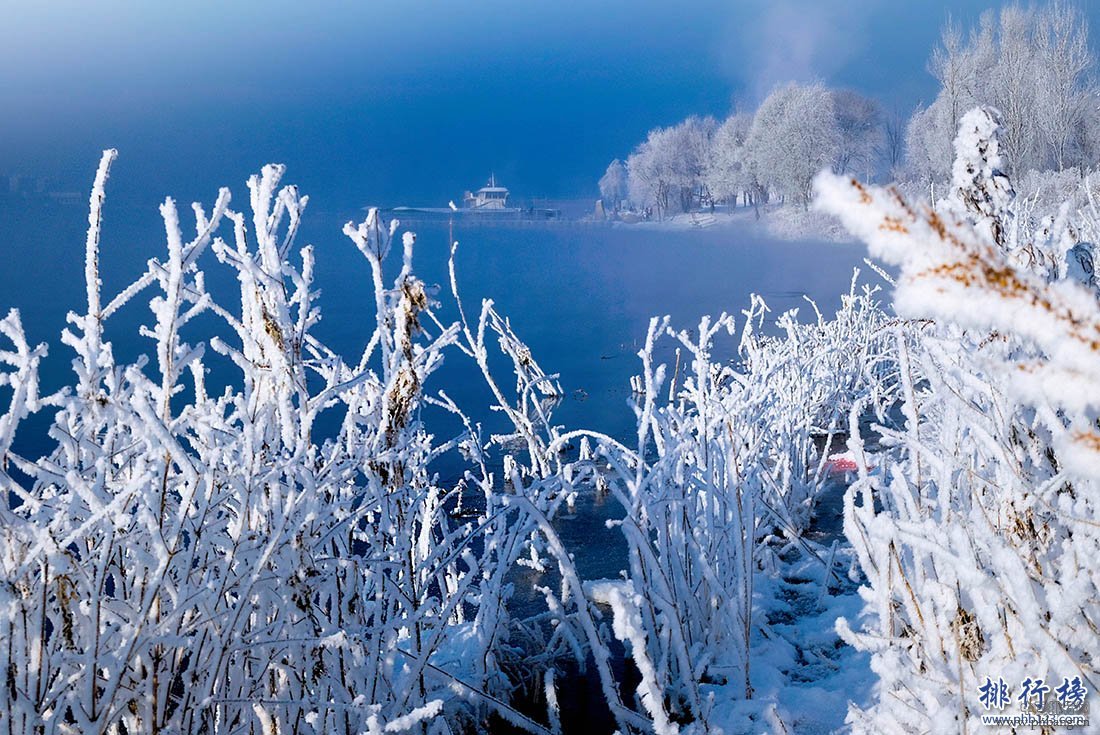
point(580, 296)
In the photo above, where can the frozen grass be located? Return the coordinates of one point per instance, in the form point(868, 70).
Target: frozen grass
point(720, 487)
point(188, 562)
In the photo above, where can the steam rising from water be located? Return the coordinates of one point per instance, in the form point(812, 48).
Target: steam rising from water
point(777, 41)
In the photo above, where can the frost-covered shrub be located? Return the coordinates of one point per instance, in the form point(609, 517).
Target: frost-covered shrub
point(976, 518)
point(194, 561)
point(720, 484)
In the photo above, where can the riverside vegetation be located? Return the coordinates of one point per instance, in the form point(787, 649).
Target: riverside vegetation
point(278, 555)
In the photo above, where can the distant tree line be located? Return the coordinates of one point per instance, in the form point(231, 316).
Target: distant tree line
point(1033, 64)
point(749, 158)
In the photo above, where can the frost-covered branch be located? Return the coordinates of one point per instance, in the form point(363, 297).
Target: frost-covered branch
point(976, 515)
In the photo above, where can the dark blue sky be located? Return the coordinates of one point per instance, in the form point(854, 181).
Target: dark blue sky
point(411, 102)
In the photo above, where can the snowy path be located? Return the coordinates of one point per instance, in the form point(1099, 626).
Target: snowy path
point(812, 672)
point(805, 668)
point(800, 666)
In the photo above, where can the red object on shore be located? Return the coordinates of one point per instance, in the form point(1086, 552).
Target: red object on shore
point(842, 462)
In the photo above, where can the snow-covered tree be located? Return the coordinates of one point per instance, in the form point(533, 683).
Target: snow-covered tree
point(1009, 84)
point(1085, 150)
point(666, 170)
point(1033, 64)
point(892, 144)
point(927, 159)
point(953, 65)
point(691, 141)
point(793, 136)
point(650, 172)
point(725, 173)
point(613, 185)
point(859, 123)
point(1061, 39)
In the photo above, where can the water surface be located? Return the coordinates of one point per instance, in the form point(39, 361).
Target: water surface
point(580, 296)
